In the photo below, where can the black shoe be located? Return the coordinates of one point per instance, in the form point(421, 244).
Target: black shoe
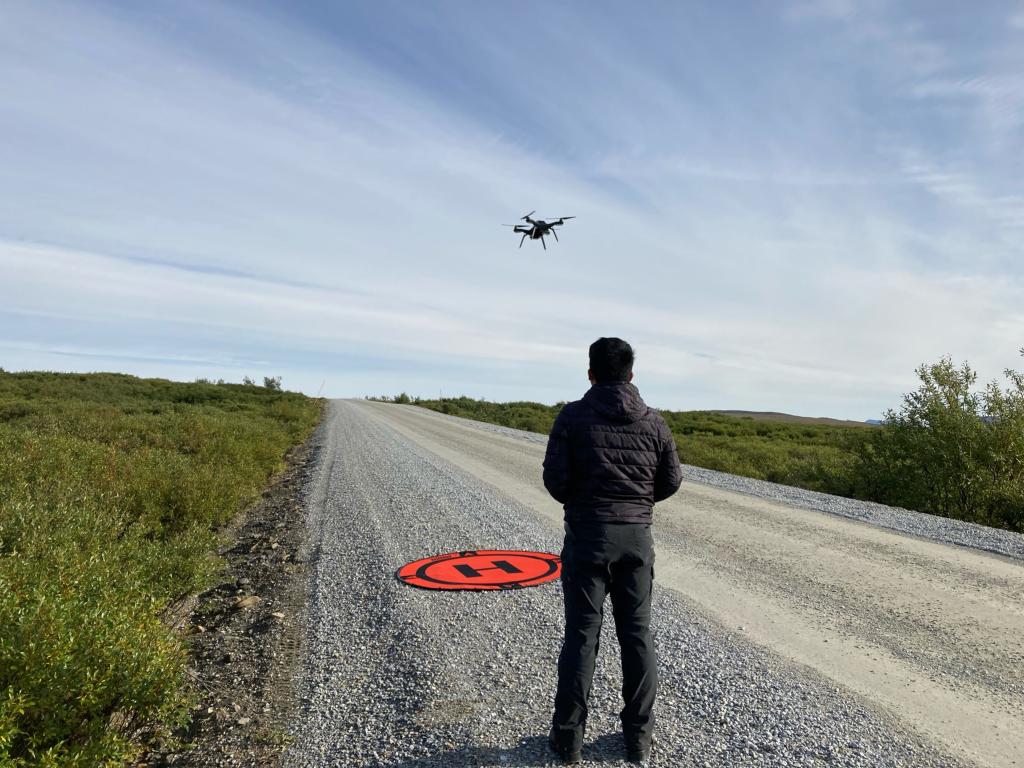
point(638, 753)
point(567, 754)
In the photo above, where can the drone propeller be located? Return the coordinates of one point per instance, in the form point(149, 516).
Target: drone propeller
point(527, 216)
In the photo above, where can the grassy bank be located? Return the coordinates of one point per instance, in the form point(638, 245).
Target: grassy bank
point(820, 457)
point(112, 489)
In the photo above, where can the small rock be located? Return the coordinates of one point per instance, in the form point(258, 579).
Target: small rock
point(278, 615)
point(244, 720)
point(247, 602)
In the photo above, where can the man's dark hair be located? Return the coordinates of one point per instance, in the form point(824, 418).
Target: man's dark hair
point(611, 359)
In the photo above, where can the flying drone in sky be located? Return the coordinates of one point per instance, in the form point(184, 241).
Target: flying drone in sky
point(537, 229)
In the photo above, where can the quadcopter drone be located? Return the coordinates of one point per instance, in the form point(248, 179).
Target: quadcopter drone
point(538, 229)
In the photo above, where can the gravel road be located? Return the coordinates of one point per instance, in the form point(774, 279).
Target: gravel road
point(786, 636)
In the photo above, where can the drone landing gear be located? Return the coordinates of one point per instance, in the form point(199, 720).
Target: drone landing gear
point(521, 239)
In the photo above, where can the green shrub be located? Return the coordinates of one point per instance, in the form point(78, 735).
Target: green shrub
point(112, 489)
point(86, 660)
point(952, 450)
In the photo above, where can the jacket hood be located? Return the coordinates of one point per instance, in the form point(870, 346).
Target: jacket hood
point(618, 401)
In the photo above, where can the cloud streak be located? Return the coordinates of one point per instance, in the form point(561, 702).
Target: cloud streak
point(246, 322)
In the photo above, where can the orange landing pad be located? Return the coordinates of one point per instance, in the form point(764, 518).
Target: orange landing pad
point(482, 569)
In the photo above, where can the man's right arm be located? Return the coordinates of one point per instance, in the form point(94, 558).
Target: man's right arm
point(670, 474)
point(556, 459)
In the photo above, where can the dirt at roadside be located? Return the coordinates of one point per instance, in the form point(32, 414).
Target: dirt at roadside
point(246, 635)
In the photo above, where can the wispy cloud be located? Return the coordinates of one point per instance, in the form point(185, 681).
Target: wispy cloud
point(762, 196)
point(726, 350)
point(961, 189)
point(879, 31)
point(999, 98)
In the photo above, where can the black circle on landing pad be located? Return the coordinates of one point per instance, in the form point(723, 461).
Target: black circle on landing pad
point(482, 569)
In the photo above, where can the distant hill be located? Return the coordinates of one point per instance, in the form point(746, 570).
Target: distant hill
point(791, 419)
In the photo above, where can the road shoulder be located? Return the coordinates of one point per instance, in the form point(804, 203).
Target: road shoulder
point(246, 635)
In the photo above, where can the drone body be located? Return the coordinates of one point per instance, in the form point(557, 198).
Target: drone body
point(538, 229)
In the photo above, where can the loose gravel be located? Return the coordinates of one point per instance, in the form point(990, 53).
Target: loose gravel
point(399, 677)
point(906, 521)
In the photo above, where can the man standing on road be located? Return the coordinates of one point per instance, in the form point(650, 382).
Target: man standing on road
point(609, 459)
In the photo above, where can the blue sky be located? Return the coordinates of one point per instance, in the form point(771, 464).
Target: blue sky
point(783, 206)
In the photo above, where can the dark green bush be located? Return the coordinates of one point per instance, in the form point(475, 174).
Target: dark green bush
point(953, 450)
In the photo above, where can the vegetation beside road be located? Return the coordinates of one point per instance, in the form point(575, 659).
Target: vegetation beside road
point(112, 489)
point(949, 449)
point(953, 450)
point(820, 457)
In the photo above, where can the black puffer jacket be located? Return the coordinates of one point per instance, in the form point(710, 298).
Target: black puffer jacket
point(610, 457)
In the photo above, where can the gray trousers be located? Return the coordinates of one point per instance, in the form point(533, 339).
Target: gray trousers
point(599, 559)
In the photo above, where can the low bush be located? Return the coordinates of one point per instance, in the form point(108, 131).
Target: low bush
point(112, 489)
point(953, 450)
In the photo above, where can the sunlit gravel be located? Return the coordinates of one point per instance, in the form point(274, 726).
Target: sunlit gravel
point(398, 676)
